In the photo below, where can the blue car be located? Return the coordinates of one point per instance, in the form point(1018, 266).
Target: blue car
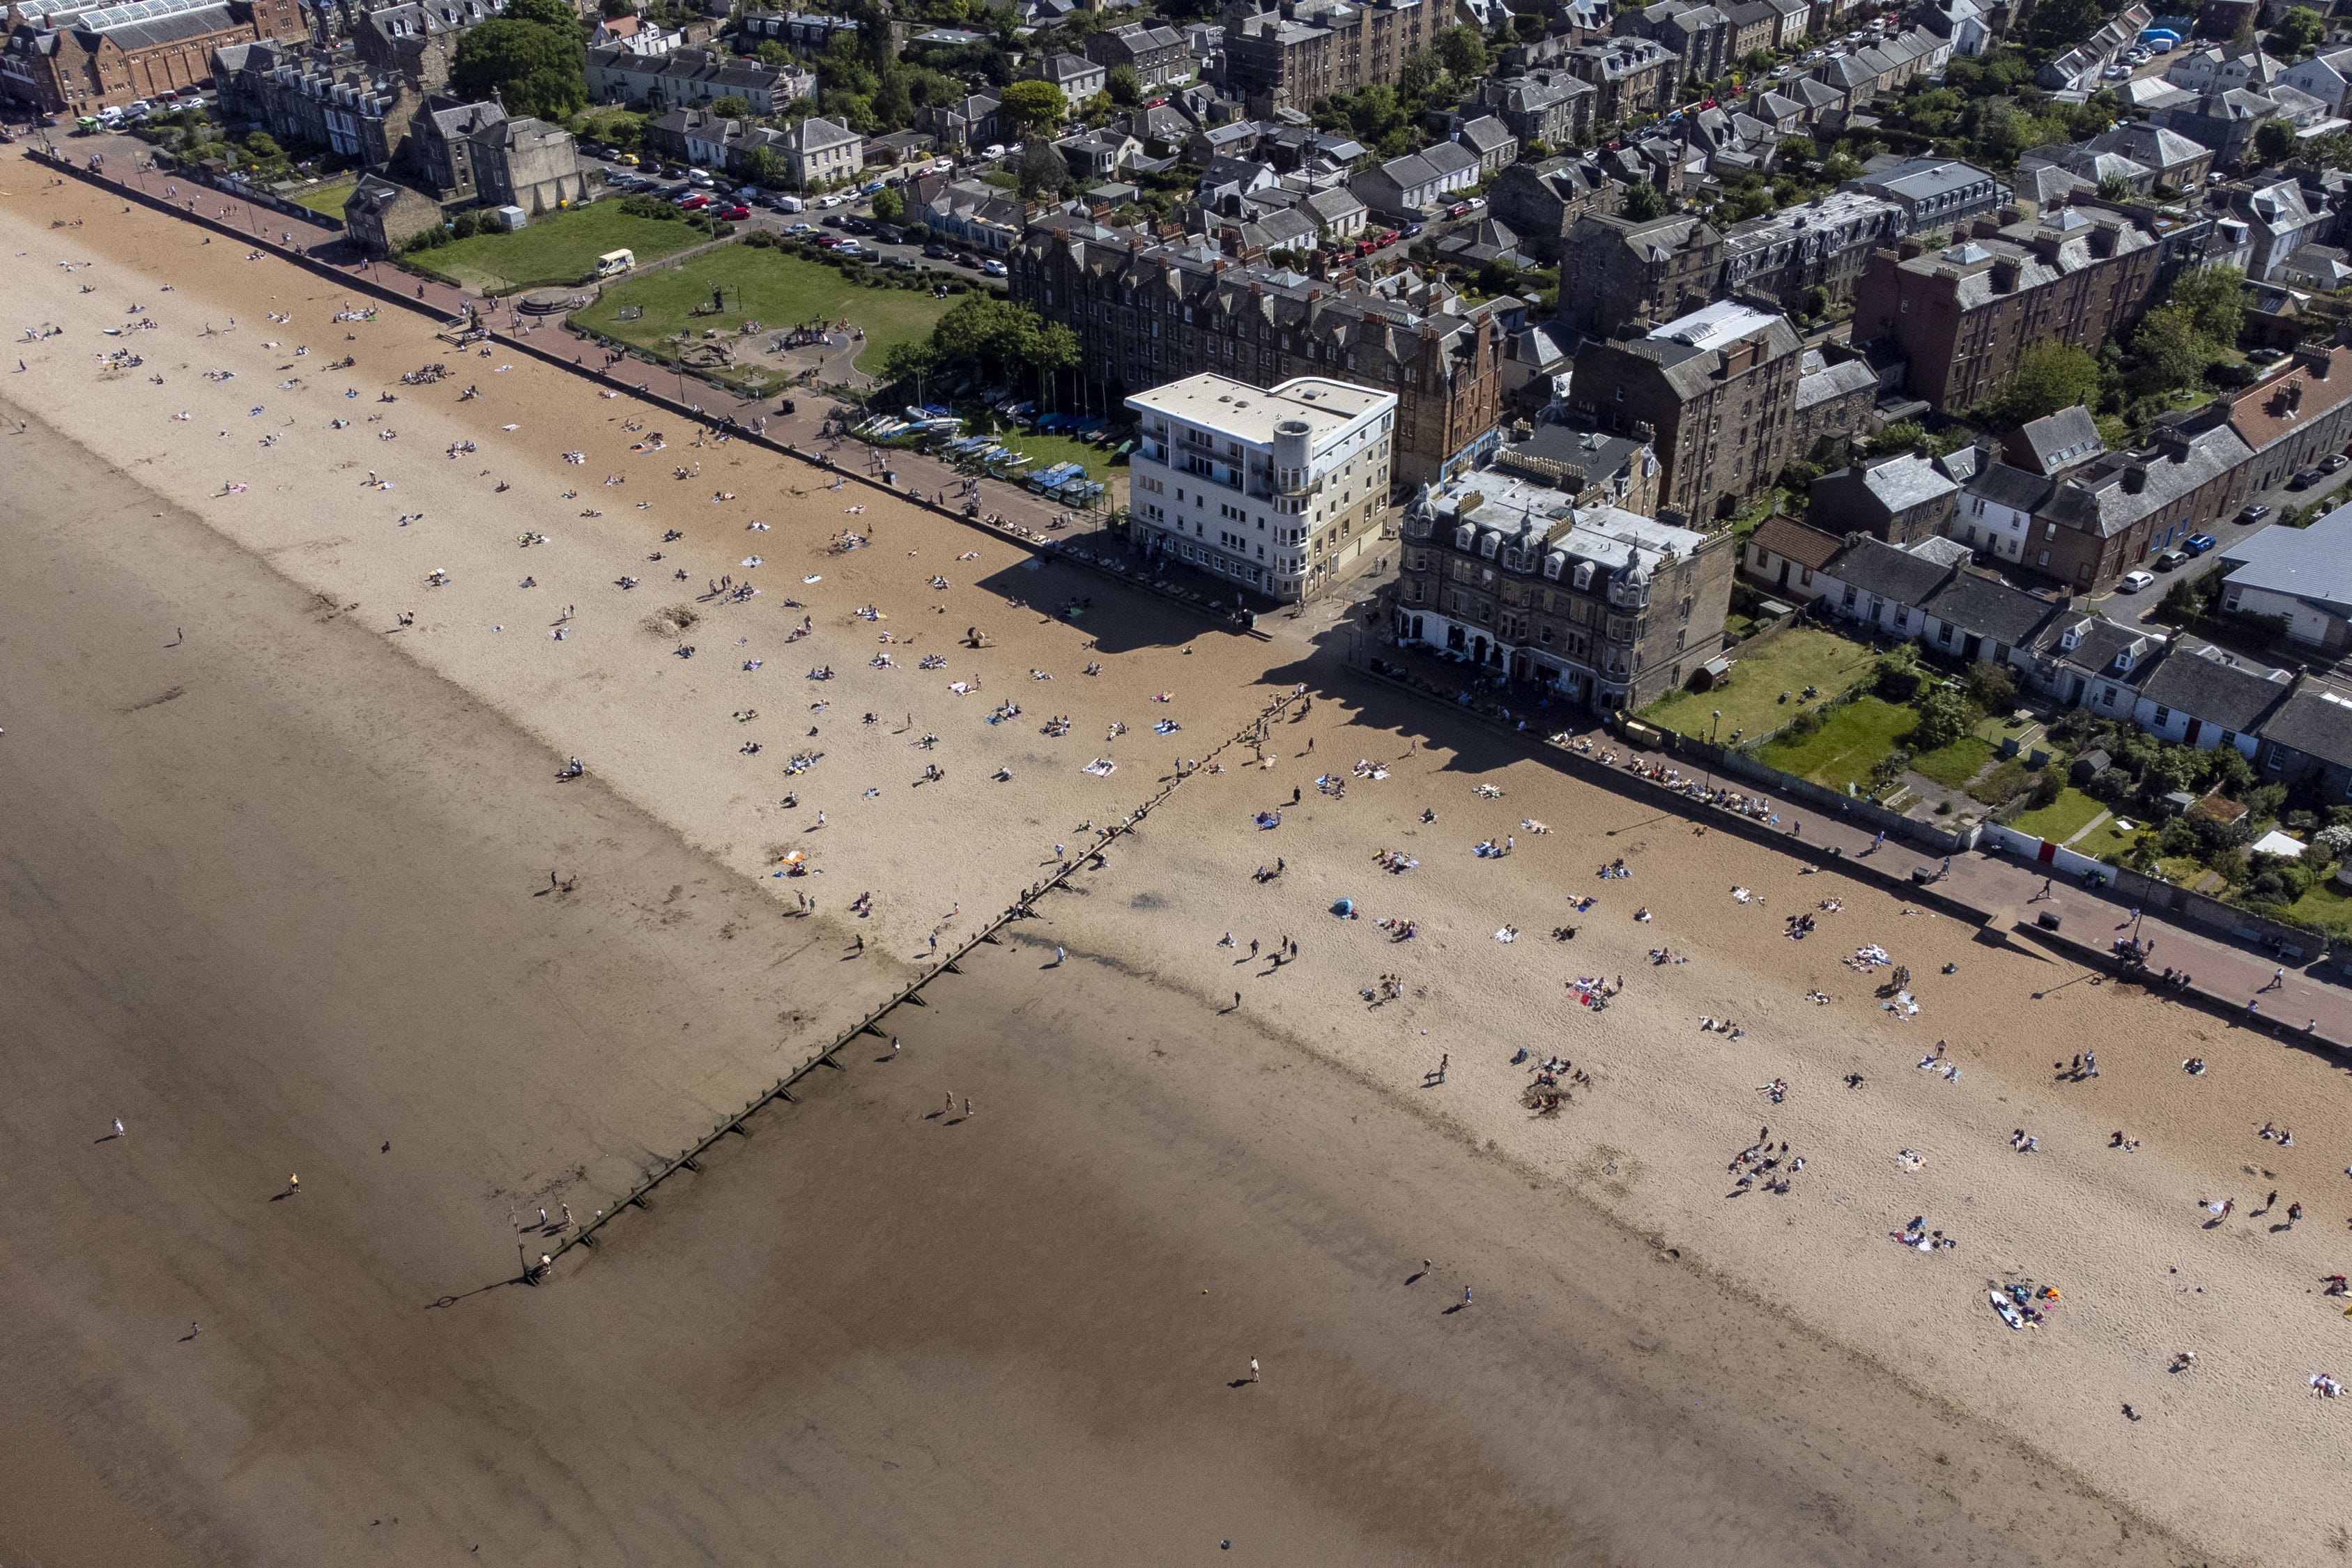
point(2199, 543)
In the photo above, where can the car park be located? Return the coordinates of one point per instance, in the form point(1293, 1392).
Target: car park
point(2254, 513)
point(2199, 543)
point(2133, 581)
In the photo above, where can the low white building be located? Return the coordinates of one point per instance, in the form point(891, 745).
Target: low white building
point(1280, 489)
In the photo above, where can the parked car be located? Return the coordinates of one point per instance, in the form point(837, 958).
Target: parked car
point(700, 177)
point(2171, 559)
point(631, 159)
point(735, 214)
point(1476, 204)
point(2253, 514)
point(1412, 229)
point(2133, 581)
point(1457, 209)
point(801, 228)
point(994, 150)
point(2334, 462)
point(2199, 543)
point(848, 248)
point(694, 201)
point(937, 251)
point(992, 268)
point(2305, 479)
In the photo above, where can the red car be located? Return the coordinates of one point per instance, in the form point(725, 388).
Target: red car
point(828, 241)
point(1457, 209)
point(694, 202)
point(735, 214)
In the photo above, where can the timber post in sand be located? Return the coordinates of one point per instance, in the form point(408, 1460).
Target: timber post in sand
point(689, 1158)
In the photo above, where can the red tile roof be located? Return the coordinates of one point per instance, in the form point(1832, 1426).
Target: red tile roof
point(2289, 402)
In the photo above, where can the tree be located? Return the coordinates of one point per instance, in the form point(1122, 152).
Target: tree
point(1041, 169)
point(888, 206)
point(1644, 201)
point(2048, 376)
point(556, 13)
point(2273, 139)
point(1464, 50)
point(1033, 105)
point(2215, 295)
point(1899, 436)
point(771, 53)
point(734, 106)
point(2117, 188)
point(1125, 87)
point(1944, 717)
point(618, 8)
point(2169, 354)
point(2059, 25)
point(534, 70)
point(1420, 73)
point(2297, 32)
point(765, 166)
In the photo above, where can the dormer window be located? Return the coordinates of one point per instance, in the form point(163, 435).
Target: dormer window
point(1487, 545)
point(1466, 537)
point(1584, 573)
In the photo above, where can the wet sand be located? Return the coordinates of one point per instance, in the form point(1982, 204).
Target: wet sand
point(281, 909)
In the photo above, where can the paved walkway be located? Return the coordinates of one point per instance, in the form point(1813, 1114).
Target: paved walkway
point(2229, 975)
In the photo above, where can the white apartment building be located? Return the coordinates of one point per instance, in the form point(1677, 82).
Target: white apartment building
point(1282, 491)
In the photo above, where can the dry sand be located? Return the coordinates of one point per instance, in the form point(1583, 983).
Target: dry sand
point(288, 914)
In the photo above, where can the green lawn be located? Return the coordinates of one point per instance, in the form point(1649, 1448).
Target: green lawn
point(768, 286)
point(1847, 746)
point(1750, 700)
point(1954, 765)
point(559, 248)
point(328, 198)
point(2061, 818)
point(2328, 906)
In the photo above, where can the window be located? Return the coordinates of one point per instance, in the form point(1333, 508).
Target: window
point(2163, 717)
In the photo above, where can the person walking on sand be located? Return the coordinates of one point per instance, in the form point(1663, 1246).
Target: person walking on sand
point(949, 1110)
point(1444, 1060)
point(293, 1185)
point(1059, 956)
point(118, 1128)
point(567, 1215)
point(1253, 1369)
point(1465, 1295)
point(967, 1107)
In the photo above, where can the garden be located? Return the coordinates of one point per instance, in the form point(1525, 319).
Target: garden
point(1767, 686)
point(2207, 847)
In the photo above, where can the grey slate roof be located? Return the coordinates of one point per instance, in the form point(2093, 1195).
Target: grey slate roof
point(2020, 489)
point(2060, 440)
point(2312, 563)
point(1877, 567)
point(2201, 682)
point(2316, 721)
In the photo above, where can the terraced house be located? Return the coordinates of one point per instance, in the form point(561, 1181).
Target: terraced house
point(1288, 56)
point(1964, 315)
point(1148, 313)
point(1609, 608)
point(1715, 392)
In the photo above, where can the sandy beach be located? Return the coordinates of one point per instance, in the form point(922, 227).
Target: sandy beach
point(282, 896)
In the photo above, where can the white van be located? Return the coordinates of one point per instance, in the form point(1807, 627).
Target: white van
point(789, 205)
point(612, 263)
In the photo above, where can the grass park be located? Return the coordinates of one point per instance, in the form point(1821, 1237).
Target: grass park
point(762, 284)
point(559, 248)
point(1849, 744)
point(2060, 820)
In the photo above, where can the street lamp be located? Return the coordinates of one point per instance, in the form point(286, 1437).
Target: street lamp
point(1713, 730)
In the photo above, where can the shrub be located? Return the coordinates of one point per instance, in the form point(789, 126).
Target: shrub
point(2337, 840)
point(1808, 723)
point(1944, 717)
point(2046, 785)
point(1992, 688)
point(1899, 676)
